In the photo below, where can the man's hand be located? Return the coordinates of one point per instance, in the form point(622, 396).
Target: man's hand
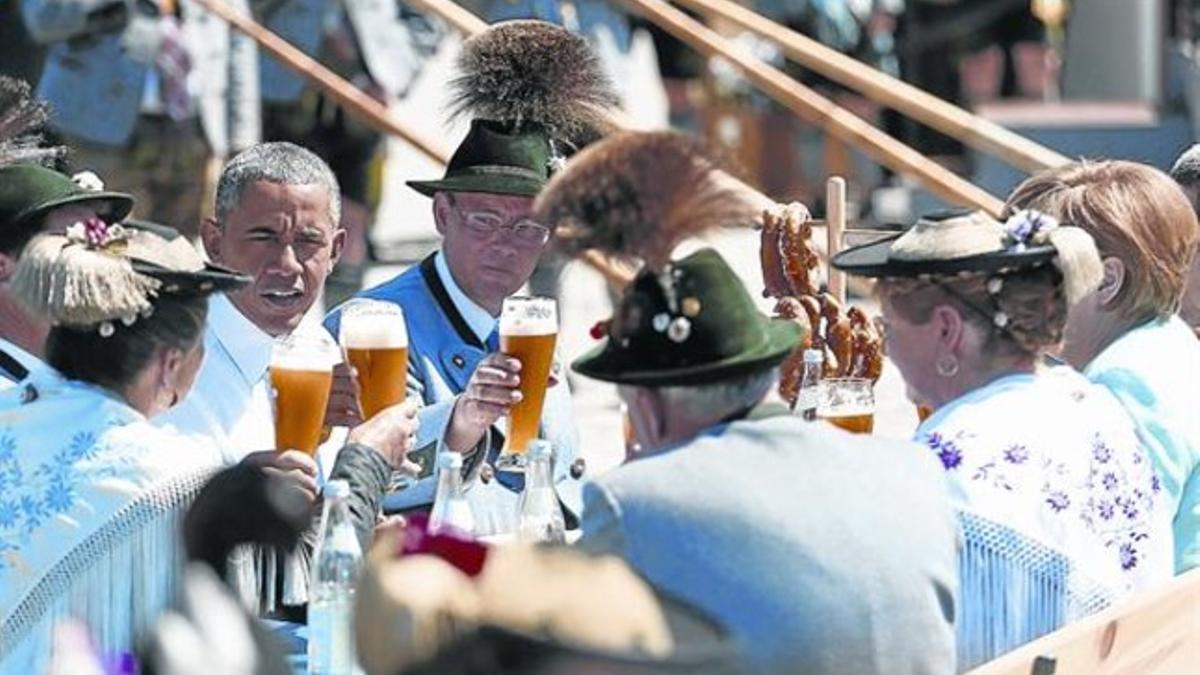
point(490, 393)
point(392, 433)
point(344, 408)
point(297, 468)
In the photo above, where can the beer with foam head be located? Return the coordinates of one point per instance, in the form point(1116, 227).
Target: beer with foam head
point(847, 403)
point(375, 340)
point(301, 377)
point(528, 330)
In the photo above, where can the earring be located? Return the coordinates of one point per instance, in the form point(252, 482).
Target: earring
point(947, 366)
point(174, 400)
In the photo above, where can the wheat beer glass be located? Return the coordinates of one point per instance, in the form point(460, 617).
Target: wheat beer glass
point(528, 330)
point(375, 341)
point(301, 376)
point(847, 402)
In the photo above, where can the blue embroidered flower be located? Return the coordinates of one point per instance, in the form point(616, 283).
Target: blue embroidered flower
point(1101, 452)
point(9, 512)
point(1130, 509)
point(1129, 559)
point(8, 447)
point(59, 497)
point(1016, 454)
point(1110, 481)
point(1155, 484)
point(1058, 500)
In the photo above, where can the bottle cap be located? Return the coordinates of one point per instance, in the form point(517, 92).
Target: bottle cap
point(541, 449)
point(814, 356)
point(337, 489)
point(450, 460)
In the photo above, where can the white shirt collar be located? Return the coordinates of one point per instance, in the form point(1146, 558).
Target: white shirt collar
point(481, 322)
point(247, 345)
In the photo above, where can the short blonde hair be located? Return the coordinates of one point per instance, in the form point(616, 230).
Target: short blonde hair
point(1135, 213)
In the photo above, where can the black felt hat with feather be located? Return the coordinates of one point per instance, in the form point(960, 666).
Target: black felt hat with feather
point(535, 93)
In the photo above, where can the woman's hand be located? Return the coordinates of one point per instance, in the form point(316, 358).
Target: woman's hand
point(296, 468)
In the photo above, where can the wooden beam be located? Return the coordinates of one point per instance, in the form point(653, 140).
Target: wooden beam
point(889, 91)
point(347, 95)
point(820, 111)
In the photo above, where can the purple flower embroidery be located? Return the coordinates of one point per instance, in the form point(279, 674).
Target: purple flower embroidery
point(1106, 510)
point(1129, 558)
point(1101, 452)
point(1130, 508)
point(1155, 484)
point(1058, 500)
point(1110, 481)
point(946, 451)
point(1016, 454)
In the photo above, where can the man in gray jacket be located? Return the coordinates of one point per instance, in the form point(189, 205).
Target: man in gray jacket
point(820, 551)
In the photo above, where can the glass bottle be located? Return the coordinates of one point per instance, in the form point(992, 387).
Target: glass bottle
point(331, 590)
point(451, 511)
point(810, 380)
point(541, 514)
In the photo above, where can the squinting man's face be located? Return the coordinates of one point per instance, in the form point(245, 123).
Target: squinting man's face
point(490, 242)
point(283, 237)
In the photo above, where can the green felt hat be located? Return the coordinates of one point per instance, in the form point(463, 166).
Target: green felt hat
point(28, 191)
point(497, 160)
point(691, 323)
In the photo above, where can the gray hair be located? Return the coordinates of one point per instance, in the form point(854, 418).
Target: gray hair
point(1186, 170)
point(720, 399)
point(279, 163)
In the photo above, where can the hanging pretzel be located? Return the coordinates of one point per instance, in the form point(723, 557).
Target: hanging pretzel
point(851, 342)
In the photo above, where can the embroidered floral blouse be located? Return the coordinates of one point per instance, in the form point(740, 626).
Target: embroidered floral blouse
point(1057, 458)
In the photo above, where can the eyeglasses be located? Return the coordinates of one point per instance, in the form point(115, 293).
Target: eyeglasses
point(525, 231)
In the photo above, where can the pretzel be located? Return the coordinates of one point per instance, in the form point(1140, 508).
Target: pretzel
point(775, 285)
point(851, 342)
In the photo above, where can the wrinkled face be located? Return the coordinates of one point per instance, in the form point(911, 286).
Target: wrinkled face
point(913, 348)
point(283, 237)
point(490, 241)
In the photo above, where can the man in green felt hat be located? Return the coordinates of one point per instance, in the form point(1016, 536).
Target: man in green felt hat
point(535, 93)
point(34, 199)
point(820, 551)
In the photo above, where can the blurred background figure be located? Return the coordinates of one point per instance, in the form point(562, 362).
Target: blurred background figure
point(380, 47)
point(146, 93)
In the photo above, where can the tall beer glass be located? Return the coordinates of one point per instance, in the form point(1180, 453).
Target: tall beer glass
point(528, 330)
point(301, 376)
point(848, 403)
point(375, 340)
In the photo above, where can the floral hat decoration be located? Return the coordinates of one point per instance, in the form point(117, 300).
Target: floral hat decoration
point(98, 274)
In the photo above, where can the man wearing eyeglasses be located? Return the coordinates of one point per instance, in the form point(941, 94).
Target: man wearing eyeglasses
point(451, 304)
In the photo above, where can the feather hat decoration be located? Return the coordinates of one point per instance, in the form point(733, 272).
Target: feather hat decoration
point(23, 120)
point(636, 195)
point(530, 72)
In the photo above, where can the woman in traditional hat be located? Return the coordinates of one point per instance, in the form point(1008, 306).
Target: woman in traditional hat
point(90, 490)
point(969, 307)
point(1126, 335)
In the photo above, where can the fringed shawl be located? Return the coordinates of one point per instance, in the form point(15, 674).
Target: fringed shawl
point(90, 501)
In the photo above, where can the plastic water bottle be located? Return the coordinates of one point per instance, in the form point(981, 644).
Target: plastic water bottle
point(331, 591)
point(810, 380)
point(541, 515)
point(451, 512)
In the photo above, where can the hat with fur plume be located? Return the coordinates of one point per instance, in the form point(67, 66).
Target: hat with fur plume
point(535, 93)
point(636, 195)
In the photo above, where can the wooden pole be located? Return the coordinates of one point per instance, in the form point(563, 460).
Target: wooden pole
point(820, 111)
point(347, 95)
point(886, 90)
point(835, 230)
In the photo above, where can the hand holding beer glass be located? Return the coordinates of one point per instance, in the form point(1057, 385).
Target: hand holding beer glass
point(375, 340)
point(528, 331)
point(301, 376)
point(847, 403)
